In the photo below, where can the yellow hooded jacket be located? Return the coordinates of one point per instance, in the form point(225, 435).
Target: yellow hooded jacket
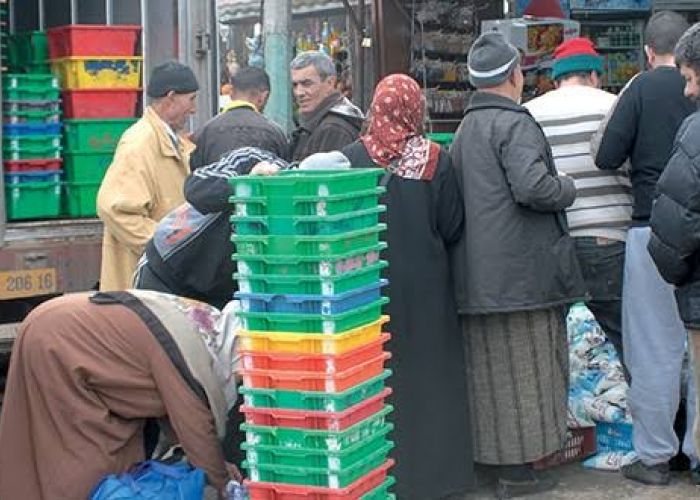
point(144, 182)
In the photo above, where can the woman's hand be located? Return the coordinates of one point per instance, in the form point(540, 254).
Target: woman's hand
point(234, 473)
point(264, 168)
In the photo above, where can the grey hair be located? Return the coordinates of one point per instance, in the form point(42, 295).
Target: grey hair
point(323, 64)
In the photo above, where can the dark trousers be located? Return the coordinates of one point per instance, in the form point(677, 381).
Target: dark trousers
point(602, 264)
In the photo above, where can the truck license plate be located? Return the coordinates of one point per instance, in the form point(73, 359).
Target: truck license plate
point(27, 283)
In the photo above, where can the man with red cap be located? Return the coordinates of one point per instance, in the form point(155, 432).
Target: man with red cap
point(600, 216)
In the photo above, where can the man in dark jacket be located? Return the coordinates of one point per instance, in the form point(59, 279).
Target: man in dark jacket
point(241, 124)
point(515, 271)
point(190, 252)
point(675, 216)
point(642, 127)
point(328, 121)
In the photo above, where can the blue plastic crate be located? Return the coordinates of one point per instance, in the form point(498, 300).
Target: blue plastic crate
point(34, 176)
point(14, 129)
point(311, 304)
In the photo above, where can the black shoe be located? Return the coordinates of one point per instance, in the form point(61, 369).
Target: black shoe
point(695, 475)
point(521, 480)
point(655, 475)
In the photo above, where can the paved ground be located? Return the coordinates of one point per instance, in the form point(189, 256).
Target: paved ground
point(577, 483)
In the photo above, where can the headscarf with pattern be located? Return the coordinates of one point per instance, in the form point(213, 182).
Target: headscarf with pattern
point(393, 138)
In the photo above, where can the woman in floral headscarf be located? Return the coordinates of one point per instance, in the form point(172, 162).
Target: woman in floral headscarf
point(88, 370)
point(424, 217)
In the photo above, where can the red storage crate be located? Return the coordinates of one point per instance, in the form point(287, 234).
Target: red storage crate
point(93, 40)
point(315, 381)
point(279, 491)
point(580, 444)
point(48, 164)
point(321, 363)
point(319, 420)
point(100, 103)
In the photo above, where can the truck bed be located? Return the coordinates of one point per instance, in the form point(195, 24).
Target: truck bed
point(49, 257)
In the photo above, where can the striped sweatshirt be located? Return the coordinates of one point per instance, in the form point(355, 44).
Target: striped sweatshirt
point(569, 117)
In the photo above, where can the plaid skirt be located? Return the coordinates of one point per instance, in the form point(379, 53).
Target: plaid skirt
point(517, 375)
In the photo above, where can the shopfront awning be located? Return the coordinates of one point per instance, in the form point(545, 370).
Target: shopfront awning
point(235, 10)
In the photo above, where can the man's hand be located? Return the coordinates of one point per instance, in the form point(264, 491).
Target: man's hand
point(264, 168)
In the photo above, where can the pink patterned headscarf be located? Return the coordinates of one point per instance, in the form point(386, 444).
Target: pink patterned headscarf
point(393, 137)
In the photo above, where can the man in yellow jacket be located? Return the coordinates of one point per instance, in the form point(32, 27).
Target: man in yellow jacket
point(145, 180)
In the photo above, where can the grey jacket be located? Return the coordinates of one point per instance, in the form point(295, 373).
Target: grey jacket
point(515, 253)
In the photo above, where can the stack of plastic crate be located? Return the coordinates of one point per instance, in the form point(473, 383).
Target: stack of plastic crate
point(100, 74)
point(31, 145)
point(312, 348)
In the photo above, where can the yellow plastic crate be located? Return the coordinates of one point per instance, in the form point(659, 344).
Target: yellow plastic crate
point(98, 72)
point(311, 343)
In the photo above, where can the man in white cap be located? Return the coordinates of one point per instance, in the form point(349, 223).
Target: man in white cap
point(145, 180)
point(516, 271)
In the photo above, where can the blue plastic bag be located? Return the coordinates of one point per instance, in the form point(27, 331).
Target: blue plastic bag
point(153, 480)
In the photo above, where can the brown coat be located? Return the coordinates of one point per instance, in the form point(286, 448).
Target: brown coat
point(83, 379)
point(143, 183)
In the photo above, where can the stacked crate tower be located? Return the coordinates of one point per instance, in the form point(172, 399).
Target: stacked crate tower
point(31, 129)
point(100, 75)
point(312, 353)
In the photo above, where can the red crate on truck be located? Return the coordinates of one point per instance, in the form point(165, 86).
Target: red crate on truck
point(100, 103)
point(93, 40)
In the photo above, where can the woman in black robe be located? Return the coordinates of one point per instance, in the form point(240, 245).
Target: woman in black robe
point(424, 217)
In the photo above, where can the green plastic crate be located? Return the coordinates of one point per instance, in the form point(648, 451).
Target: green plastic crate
point(284, 265)
point(28, 48)
point(381, 492)
point(95, 135)
point(279, 190)
point(333, 460)
point(310, 284)
point(442, 138)
point(32, 116)
point(20, 87)
point(86, 166)
point(80, 199)
point(309, 205)
point(323, 477)
point(309, 225)
point(314, 400)
point(33, 200)
point(299, 246)
point(288, 437)
point(312, 323)
point(26, 147)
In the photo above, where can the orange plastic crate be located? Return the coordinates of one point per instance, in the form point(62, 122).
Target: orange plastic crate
point(279, 491)
point(315, 381)
point(318, 420)
point(321, 363)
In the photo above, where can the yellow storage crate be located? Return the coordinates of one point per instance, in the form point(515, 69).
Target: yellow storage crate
point(93, 72)
point(310, 343)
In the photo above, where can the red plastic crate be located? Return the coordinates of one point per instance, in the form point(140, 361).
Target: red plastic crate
point(321, 363)
point(580, 443)
point(32, 165)
point(100, 103)
point(314, 381)
point(279, 491)
point(319, 420)
point(93, 40)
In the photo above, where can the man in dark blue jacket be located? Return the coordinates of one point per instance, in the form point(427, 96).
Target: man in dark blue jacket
point(675, 216)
